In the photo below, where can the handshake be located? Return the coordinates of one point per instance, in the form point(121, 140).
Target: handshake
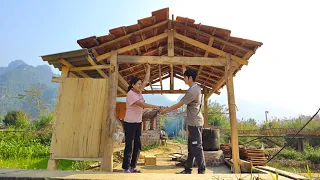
point(161, 109)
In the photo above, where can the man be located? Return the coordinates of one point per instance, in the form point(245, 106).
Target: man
point(194, 120)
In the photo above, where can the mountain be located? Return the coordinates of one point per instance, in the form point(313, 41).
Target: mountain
point(18, 77)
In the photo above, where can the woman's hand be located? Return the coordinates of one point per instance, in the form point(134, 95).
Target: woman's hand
point(162, 111)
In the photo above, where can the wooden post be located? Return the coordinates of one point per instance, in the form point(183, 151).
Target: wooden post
point(171, 54)
point(53, 163)
point(107, 160)
point(171, 78)
point(300, 142)
point(232, 115)
point(205, 104)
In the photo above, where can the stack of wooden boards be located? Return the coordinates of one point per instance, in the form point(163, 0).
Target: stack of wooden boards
point(226, 148)
point(255, 156)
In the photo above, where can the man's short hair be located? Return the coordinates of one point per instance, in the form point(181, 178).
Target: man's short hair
point(190, 73)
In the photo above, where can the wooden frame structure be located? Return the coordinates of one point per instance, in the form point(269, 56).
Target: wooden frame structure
point(170, 46)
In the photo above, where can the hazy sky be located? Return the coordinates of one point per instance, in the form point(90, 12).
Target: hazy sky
point(283, 75)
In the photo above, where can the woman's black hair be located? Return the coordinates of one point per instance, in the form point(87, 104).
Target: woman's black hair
point(133, 81)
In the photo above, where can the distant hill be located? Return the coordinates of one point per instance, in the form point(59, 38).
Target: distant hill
point(17, 77)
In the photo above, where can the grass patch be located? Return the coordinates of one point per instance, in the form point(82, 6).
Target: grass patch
point(42, 163)
point(149, 147)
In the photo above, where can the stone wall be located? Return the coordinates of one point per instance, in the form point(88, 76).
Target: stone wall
point(150, 137)
point(151, 127)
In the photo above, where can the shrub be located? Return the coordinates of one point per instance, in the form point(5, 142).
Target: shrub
point(291, 154)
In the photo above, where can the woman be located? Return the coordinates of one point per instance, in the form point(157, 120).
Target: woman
point(132, 122)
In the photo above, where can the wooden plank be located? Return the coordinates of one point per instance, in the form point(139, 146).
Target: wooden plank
point(80, 100)
point(107, 162)
point(233, 119)
point(176, 60)
point(94, 67)
point(134, 46)
point(78, 159)
point(208, 48)
point(131, 34)
point(281, 172)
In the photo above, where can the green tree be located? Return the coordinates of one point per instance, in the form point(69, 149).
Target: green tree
point(34, 99)
point(17, 119)
point(217, 115)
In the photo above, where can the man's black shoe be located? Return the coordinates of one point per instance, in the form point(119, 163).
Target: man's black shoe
point(184, 172)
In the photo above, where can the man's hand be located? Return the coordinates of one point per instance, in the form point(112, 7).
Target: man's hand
point(162, 111)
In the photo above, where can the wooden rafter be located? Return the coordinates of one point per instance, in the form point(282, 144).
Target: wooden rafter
point(67, 64)
point(199, 75)
point(91, 61)
point(208, 48)
point(125, 32)
point(222, 81)
point(133, 46)
point(206, 54)
point(130, 35)
point(142, 71)
point(196, 31)
point(94, 67)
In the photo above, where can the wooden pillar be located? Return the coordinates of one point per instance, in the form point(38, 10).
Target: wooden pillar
point(171, 54)
point(232, 115)
point(205, 104)
point(107, 160)
point(300, 144)
point(53, 163)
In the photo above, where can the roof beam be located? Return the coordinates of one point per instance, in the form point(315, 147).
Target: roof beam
point(67, 64)
point(134, 46)
point(164, 92)
point(194, 30)
point(206, 54)
point(131, 34)
point(208, 48)
point(176, 60)
point(95, 67)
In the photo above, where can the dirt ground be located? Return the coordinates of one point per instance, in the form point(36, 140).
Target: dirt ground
point(165, 163)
